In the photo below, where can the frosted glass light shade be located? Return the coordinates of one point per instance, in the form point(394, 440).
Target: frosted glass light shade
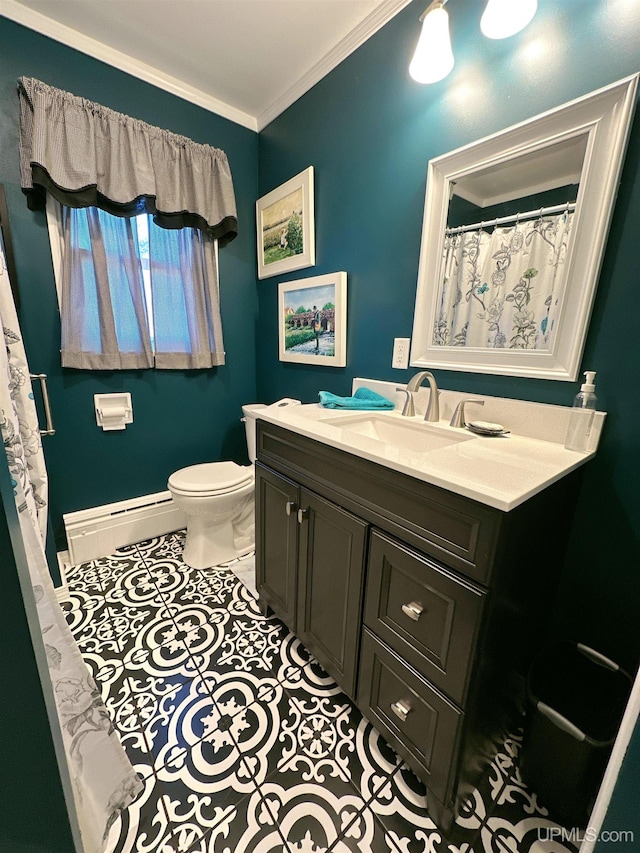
point(504, 18)
point(433, 58)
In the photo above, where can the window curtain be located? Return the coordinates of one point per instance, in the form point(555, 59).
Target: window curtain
point(102, 310)
point(104, 313)
point(86, 155)
point(184, 294)
point(104, 782)
point(499, 289)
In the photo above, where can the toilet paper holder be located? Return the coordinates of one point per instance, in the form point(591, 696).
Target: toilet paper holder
point(113, 411)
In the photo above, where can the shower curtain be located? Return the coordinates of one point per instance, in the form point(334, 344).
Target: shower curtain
point(103, 779)
point(502, 289)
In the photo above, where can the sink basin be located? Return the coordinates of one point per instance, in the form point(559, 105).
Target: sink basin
point(404, 434)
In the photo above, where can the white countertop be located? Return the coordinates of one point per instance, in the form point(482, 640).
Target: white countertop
point(500, 471)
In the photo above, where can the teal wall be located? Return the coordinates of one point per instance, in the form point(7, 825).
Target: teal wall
point(180, 417)
point(369, 131)
point(623, 814)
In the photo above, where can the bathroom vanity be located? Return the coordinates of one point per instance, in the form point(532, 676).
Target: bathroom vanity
point(426, 605)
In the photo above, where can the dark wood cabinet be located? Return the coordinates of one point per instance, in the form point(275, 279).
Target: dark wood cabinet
point(425, 606)
point(310, 563)
point(277, 543)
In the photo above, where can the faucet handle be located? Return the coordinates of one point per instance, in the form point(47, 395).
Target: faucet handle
point(457, 419)
point(408, 410)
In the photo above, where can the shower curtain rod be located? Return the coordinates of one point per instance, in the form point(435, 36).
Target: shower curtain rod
point(515, 217)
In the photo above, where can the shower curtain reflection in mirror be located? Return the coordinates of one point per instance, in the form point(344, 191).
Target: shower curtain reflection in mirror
point(501, 286)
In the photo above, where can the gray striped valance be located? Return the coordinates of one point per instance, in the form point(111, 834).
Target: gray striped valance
point(87, 155)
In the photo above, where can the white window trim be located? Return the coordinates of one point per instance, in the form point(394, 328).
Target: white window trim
point(56, 241)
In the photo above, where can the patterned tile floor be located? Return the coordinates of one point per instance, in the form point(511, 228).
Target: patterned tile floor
point(242, 740)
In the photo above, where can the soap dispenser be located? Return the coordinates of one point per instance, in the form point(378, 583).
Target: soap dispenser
point(581, 418)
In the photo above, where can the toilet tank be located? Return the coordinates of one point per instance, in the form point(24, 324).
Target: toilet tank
point(250, 412)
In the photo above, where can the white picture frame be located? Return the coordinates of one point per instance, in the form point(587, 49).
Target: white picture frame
point(285, 227)
point(322, 299)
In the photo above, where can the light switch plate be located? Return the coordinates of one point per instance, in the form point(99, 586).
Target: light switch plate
point(401, 352)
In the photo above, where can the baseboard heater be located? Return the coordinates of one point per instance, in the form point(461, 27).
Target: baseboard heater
point(99, 531)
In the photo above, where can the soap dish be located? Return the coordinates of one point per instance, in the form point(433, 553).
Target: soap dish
point(486, 428)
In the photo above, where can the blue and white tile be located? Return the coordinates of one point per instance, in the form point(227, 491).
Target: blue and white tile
point(160, 702)
point(82, 608)
point(111, 569)
point(245, 827)
point(144, 826)
point(86, 576)
point(98, 636)
point(321, 817)
point(240, 600)
point(249, 645)
point(159, 642)
point(134, 588)
point(169, 546)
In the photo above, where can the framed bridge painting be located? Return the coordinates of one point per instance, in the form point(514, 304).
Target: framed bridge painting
point(312, 320)
point(286, 228)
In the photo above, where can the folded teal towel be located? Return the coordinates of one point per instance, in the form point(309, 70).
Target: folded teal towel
point(362, 399)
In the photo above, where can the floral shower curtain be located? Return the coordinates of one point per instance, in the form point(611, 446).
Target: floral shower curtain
point(103, 779)
point(500, 289)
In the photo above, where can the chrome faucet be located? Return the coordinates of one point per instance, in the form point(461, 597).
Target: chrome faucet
point(433, 408)
point(457, 419)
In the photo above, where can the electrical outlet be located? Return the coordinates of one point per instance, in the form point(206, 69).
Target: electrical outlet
point(400, 352)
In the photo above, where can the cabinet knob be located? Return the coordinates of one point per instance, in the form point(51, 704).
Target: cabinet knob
point(401, 709)
point(413, 610)
point(301, 515)
point(290, 507)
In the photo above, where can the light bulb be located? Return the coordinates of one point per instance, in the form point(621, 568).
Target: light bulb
point(433, 58)
point(504, 18)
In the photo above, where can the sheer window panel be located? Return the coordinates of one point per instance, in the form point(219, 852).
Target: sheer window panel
point(103, 312)
point(120, 278)
point(185, 297)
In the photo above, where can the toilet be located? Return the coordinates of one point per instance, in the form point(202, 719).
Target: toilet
point(217, 499)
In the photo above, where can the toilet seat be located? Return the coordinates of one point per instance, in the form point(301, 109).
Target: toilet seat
point(210, 478)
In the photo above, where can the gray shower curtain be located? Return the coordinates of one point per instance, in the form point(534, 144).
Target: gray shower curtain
point(102, 777)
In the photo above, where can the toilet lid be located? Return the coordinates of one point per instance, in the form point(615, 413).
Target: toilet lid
point(211, 478)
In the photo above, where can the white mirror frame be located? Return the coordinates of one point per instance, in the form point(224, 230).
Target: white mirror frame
point(605, 116)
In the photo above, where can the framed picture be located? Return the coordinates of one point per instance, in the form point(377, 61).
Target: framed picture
point(285, 227)
point(312, 320)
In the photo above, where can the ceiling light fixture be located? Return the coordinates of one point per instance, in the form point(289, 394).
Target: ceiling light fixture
point(433, 57)
point(504, 18)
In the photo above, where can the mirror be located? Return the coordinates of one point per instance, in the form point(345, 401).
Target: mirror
point(513, 236)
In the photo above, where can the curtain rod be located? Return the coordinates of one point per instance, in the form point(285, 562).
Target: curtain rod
point(515, 217)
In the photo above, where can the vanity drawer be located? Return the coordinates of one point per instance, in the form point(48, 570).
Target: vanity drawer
point(426, 614)
point(417, 720)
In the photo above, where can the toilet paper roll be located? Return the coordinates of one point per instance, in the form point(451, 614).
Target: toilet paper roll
point(113, 413)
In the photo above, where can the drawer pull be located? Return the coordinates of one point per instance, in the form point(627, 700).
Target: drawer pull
point(413, 610)
point(290, 507)
point(401, 709)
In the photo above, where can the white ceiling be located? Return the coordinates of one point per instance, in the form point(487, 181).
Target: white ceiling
point(247, 60)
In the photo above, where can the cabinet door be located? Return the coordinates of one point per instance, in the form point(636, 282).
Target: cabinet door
point(331, 564)
point(277, 543)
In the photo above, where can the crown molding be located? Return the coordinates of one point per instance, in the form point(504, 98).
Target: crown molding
point(123, 62)
point(350, 43)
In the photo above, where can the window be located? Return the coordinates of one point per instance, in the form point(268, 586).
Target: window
point(132, 294)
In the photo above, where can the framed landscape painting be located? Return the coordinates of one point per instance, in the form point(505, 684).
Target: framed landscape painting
point(285, 227)
point(312, 320)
